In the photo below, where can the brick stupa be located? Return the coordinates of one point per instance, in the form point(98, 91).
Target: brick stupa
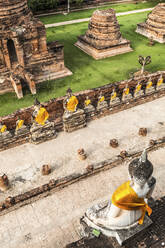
point(103, 38)
point(25, 56)
point(154, 27)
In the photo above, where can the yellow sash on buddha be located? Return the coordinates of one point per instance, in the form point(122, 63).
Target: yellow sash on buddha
point(160, 81)
point(126, 198)
point(102, 99)
point(87, 102)
point(149, 84)
point(3, 129)
point(72, 103)
point(42, 116)
point(126, 91)
point(113, 96)
point(138, 88)
point(19, 125)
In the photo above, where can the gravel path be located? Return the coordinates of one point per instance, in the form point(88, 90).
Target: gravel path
point(87, 19)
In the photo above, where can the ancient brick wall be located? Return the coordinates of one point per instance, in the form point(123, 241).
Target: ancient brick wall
point(55, 106)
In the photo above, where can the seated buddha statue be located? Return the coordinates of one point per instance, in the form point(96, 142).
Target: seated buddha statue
point(4, 133)
point(114, 99)
point(160, 83)
point(40, 115)
point(20, 127)
point(149, 86)
point(88, 107)
point(126, 95)
point(70, 102)
point(138, 90)
point(128, 205)
point(42, 129)
point(101, 104)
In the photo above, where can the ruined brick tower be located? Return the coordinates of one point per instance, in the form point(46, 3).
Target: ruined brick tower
point(25, 56)
point(103, 38)
point(154, 26)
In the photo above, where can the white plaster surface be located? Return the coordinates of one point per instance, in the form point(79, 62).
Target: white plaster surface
point(52, 222)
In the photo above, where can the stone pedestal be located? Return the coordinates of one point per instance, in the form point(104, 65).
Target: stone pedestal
point(22, 131)
point(149, 90)
point(41, 133)
point(138, 94)
point(121, 235)
point(89, 111)
point(103, 38)
point(160, 86)
point(114, 102)
point(154, 27)
point(126, 98)
point(74, 120)
point(102, 105)
point(5, 137)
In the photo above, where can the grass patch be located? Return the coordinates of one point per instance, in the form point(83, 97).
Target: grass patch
point(87, 72)
point(87, 13)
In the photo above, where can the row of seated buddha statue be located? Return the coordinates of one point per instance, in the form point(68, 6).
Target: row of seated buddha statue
point(41, 128)
point(73, 117)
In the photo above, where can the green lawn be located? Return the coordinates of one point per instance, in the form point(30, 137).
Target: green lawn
point(87, 13)
point(87, 72)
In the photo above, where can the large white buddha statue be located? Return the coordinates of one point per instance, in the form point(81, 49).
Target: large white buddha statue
point(128, 205)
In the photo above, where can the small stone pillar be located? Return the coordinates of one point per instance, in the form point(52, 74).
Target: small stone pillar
point(46, 169)
point(81, 154)
point(4, 183)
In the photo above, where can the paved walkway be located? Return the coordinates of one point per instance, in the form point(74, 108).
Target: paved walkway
point(53, 222)
point(23, 163)
point(87, 19)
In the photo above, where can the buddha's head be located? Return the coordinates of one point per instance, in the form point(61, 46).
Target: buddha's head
point(140, 169)
point(69, 92)
point(37, 104)
point(1, 122)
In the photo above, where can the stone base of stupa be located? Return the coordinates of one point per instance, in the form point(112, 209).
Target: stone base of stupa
point(142, 28)
point(122, 47)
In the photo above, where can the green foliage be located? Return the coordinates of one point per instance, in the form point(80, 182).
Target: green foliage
point(87, 13)
point(40, 5)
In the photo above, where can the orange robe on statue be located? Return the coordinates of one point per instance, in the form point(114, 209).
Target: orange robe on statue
point(126, 198)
